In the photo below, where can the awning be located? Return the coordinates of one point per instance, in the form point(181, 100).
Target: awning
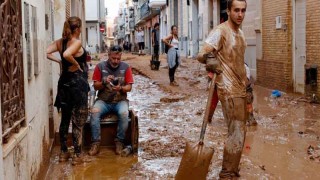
point(157, 3)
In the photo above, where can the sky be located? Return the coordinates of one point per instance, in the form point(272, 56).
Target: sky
point(113, 7)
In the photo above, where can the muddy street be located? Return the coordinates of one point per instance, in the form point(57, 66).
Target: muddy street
point(284, 145)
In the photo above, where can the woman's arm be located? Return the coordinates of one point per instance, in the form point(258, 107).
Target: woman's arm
point(52, 48)
point(167, 40)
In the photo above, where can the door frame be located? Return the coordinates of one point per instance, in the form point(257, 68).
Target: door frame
point(294, 48)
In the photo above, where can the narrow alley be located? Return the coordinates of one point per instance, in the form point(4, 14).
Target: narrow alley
point(55, 119)
point(284, 145)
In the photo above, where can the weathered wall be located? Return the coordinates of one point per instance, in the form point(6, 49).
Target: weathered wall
point(313, 35)
point(23, 153)
point(274, 70)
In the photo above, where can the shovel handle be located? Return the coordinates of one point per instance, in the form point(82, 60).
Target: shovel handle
point(206, 115)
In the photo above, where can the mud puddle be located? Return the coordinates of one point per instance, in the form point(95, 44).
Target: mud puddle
point(278, 148)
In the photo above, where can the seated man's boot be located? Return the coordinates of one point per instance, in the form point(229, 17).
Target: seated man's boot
point(64, 156)
point(119, 147)
point(80, 159)
point(95, 149)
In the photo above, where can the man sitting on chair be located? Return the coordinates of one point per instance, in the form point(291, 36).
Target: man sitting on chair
point(113, 79)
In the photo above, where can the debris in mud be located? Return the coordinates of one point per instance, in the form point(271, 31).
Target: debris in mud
point(163, 147)
point(171, 99)
point(314, 129)
point(314, 153)
point(152, 129)
point(262, 167)
point(301, 132)
point(199, 112)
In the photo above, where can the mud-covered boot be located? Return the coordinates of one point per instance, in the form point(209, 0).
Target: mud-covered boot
point(95, 149)
point(64, 156)
point(251, 121)
point(80, 159)
point(119, 147)
point(174, 83)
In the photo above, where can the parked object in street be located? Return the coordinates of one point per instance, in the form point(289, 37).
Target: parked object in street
point(173, 55)
point(196, 159)
point(73, 88)
point(154, 64)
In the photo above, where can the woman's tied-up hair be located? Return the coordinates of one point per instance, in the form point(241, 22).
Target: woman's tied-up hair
point(70, 25)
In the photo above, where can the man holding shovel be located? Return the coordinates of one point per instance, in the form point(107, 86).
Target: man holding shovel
point(227, 43)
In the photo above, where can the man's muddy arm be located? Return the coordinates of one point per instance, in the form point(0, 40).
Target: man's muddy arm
point(206, 51)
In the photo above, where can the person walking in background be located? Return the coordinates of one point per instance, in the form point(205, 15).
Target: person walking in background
point(97, 48)
point(227, 43)
point(73, 87)
point(140, 40)
point(173, 55)
point(155, 41)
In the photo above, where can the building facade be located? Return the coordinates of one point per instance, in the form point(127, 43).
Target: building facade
point(110, 32)
point(28, 84)
point(95, 17)
point(290, 46)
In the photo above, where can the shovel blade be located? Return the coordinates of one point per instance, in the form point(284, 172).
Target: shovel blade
point(195, 162)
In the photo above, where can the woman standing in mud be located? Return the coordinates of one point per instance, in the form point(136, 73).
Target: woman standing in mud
point(173, 55)
point(72, 96)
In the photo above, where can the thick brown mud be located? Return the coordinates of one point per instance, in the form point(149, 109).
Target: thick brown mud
point(278, 148)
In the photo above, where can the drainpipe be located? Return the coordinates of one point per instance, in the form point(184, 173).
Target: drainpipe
point(181, 25)
point(188, 39)
point(99, 21)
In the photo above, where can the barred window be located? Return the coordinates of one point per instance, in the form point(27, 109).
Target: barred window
point(11, 69)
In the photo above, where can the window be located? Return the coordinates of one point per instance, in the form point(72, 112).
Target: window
point(34, 22)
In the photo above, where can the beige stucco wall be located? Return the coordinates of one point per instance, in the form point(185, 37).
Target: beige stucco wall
point(23, 153)
point(26, 150)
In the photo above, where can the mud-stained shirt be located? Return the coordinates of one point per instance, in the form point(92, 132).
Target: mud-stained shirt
point(229, 49)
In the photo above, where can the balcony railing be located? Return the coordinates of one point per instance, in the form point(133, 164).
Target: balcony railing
point(147, 13)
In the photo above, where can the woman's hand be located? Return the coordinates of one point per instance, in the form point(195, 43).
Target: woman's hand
point(74, 68)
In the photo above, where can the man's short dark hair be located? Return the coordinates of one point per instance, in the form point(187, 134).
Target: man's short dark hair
point(115, 48)
point(229, 3)
point(156, 25)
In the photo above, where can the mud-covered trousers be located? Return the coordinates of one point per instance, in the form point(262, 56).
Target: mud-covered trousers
point(75, 115)
point(72, 99)
point(236, 115)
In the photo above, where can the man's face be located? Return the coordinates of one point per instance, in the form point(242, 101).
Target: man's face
point(115, 58)
point(238, 11)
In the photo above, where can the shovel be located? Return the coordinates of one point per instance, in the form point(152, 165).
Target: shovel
point(197, 157)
